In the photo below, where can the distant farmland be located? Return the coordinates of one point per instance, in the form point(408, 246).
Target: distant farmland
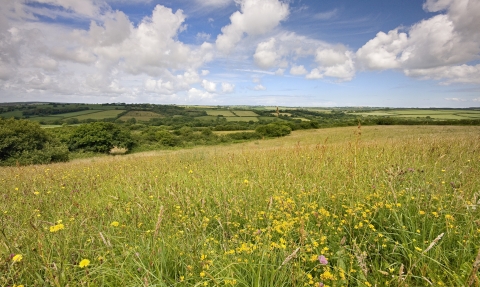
point(440, 114)
point(140, 116)
point(101, 115)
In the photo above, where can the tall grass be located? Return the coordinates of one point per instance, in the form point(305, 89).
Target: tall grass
point(338, 207)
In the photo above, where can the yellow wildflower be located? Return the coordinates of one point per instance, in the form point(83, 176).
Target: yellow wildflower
point(327, 276)
point(84, 263)
point(448, 217)
point(114, 224)
point(17, 258)
point(57, 227)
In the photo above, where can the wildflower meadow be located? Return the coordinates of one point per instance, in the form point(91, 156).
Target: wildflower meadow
point(353, 206)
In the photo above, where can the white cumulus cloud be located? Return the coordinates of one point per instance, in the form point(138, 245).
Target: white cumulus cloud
point(228, 88)
point(254, 18)
point(259, 88)
point(209, 86)
point(298, 70)
point(266, 55)
point(287, 48)
point(196, 94)
point(436, 48)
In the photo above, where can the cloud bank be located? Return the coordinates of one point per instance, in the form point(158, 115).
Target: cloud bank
point(115, 58)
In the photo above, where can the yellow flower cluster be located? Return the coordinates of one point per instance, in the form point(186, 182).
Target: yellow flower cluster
point(17, 258)
point(57, 227)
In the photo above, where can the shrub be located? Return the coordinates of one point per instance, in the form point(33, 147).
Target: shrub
point(99, 137)
point(274, 130)
point(25, 142)
point(166, 138)
point(244, 136)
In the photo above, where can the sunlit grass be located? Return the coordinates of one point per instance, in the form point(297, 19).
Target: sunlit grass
point(339, 207)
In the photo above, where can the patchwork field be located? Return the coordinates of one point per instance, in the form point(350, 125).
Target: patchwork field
point(206, 118)
point(101, 115)
point(241, 119)
point(11, 114)
point(46, 118)
point(302, 119)
point(224, 113)
point(448, 114)
point(245, 113)
point(369, 206)
point(140, 116)
point(76, 114)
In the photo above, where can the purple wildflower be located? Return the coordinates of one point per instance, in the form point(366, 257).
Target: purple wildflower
point(322, 260)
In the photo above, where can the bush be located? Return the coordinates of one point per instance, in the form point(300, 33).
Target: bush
point(166, 138)
point(99, 137)
point(244, 136)
point(25, 142)
point(274, 130)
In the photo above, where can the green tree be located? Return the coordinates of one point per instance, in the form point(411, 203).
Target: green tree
point(25, 142)
point(166, 138)
point(276, 129)
point(99, 137)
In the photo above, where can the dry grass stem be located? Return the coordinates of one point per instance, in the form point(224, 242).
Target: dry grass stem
point(361, 259)
point(290, 257)
point(159, 221)
point(106, 242)
point(118, 150)
point(433, 242)
point(476, 265)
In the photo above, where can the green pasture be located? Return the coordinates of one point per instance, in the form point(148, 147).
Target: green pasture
point(224, 113)
point(50, 126)
point(11, 114)
point(446, 114)
point(140, 115)
point(241, 119)
point(228, 132)
point(302, 119)
point(46, 118)
point(76, 114)
point(104, 108)
point(469, 115)
point(320, 110)
point(437, 116)
point(101, 115)
point(374, 113)
point(206, 118)
point(245, 113)
point(425, 112)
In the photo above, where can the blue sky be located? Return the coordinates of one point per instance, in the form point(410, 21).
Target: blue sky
point(396, 53)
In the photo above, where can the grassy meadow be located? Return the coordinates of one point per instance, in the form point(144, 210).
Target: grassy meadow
point(353, 206)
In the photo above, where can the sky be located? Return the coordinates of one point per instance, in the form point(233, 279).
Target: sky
point(395, 53)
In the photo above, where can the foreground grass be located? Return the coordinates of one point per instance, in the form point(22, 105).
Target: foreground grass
point(339, 207)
